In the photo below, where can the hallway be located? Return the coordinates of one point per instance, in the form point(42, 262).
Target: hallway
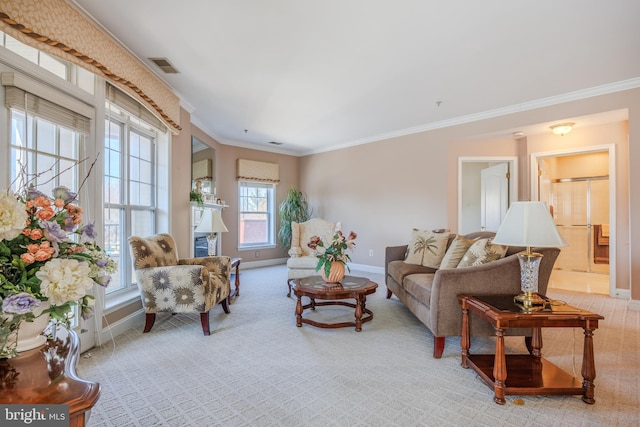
point(592, 283)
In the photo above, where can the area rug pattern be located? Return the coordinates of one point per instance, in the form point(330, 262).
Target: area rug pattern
point(258, 369)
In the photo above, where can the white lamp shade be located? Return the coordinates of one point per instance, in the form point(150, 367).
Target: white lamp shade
point(211, 222)
point(529, 224)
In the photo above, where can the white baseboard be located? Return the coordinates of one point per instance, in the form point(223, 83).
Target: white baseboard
point(367, 268)
point(111, 331)
point(262, 263)
point(634, 305)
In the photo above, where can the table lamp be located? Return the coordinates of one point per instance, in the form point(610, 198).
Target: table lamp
point(211, 222)
point(529, 224)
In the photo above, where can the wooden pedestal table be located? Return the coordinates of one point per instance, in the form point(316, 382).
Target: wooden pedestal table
point(350, 287)
point(46, 375)
point(528, 374)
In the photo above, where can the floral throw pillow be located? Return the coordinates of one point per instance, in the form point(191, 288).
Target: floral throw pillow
point(427, 247)
point(456, 251)
point(482, 251)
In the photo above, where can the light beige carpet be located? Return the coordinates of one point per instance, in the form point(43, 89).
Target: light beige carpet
point(258, 369)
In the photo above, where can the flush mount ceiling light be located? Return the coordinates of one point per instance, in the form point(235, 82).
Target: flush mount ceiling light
point(562, 129)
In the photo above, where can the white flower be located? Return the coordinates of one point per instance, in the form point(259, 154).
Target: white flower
point(64, 280)
point(13, 216)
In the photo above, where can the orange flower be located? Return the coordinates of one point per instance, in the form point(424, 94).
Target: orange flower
point(46, 213)
point(36, 234)
point(58, 203)
point(28, 258)
point(33, 248)
point(27, 232)
point(42, 202)
point(42, 255)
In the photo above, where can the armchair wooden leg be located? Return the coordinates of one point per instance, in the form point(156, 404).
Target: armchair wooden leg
point(150, 319)
point(438, 347)
point(204, 320)
point(225, 305)
point(389, 293)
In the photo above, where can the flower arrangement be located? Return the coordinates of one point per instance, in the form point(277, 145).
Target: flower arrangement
point(336, 251)
point(46, 254)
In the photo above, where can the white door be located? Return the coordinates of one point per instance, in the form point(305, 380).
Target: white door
point(494, 201)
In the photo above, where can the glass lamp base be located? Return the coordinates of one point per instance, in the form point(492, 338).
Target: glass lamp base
point(529, 266)
point(212, 245)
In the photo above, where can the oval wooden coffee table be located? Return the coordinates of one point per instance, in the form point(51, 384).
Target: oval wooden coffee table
point(350, 287)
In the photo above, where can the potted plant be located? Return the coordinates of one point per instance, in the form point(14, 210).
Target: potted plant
point(293, 208)
point(195, 196)
point(333, 258)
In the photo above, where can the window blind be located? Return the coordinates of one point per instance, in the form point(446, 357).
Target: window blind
point(133, 107)
point(33, 104)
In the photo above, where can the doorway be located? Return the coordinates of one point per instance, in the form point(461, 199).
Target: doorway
point(578, 188)
point(486, 187)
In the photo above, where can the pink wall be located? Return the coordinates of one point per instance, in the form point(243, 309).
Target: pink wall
point(383, 189)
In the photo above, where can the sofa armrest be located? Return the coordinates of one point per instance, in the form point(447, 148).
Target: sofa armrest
point(295, 252)
point(393, 253)
point(496, 277)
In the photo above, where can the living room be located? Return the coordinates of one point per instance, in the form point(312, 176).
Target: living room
point(383, 187)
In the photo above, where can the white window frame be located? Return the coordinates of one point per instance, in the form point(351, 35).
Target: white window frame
point(128, 125)
point(270, 212)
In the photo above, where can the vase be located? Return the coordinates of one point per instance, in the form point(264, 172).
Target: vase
point(336, 273)
point(30, 334)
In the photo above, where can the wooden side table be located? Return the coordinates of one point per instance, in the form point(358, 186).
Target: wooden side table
point(46, 375)
point(528, 374)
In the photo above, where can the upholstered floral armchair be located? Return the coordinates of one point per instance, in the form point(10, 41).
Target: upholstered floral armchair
point(302, 262)
point(172, 285)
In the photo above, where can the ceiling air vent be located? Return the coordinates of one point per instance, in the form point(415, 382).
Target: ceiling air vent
point(164, 65)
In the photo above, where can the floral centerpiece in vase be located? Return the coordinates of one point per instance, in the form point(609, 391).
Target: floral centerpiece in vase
point(332, 259)
point(49, 261)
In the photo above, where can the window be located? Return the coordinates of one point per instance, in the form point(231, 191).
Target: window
point(256, 216)
point(130, 189)
point(46, 143)
point(65, 70)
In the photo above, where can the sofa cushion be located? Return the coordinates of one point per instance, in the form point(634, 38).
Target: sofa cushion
point(399, 269)
point(427, 247)
point(456, 251)
point(419, 286)
point(482, 251)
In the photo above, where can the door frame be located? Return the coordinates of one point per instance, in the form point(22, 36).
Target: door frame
point(513, 180)
point(611, 150)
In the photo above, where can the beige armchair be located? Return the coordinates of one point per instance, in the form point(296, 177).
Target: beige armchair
point(172, 285)
point(302, 262)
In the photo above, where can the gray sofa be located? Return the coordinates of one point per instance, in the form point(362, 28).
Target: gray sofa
point(431, 294)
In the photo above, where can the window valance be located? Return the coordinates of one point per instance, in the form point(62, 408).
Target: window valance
point(58, 28)
point(250, 170)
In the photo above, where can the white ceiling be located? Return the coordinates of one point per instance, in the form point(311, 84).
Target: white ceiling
point(320, 75)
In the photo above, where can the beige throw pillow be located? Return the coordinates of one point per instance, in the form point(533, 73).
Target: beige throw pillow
point(427, 247)
point(482, 251)
point(456, 251)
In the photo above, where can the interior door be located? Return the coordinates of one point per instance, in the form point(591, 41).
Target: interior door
point(494, 201)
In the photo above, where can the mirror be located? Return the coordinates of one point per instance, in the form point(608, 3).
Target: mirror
point(203, 169)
